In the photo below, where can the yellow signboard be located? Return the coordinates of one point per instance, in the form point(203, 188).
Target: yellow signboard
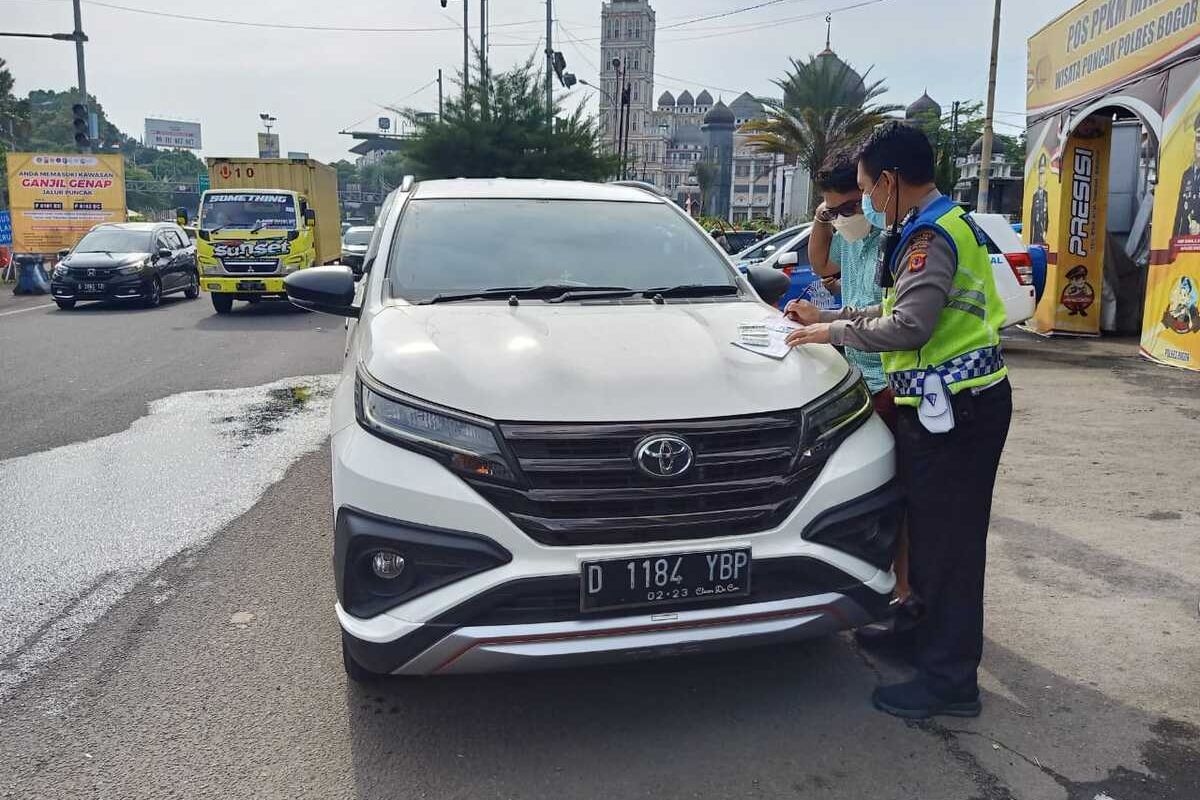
point(1100, 43)
point(1171, 319)
point(1071, 301)
point(55, 198)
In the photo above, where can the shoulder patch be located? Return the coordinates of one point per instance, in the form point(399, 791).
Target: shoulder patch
point(916, 260)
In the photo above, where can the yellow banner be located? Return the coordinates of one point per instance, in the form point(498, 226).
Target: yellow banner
point(1100, 43)
point(1071, 301)
point(1171, 316)
point(55, 198)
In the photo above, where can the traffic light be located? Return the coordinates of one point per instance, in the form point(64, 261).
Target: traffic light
point(567, 79)
point(79, 119)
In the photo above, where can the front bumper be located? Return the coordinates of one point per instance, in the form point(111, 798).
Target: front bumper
point(124, 287)
point(472, 624)
point(249, 285)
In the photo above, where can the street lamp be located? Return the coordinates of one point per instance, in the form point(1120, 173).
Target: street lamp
point(466, 48)
point(267, 120)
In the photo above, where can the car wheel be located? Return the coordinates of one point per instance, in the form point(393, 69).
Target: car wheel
point(65, 305)
point(355, 671)
point(193, 288)
point(222, 303)
point(154, 297)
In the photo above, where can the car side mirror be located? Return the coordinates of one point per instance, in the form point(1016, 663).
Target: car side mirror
point(769, 249)
point(310, 217)
point(164, 252)
point(789, 259)
point(769, 284)
point(329, 290)
point(66, 251)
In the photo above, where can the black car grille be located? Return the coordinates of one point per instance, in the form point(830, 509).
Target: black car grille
point(91, 273)
point(584, 487)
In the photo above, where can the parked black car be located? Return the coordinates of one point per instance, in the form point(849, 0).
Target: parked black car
point(354, 246)
point(127, 261)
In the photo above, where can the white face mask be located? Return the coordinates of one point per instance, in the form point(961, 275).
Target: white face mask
point(852, 228)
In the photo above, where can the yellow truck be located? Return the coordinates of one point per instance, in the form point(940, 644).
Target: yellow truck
point(261, 219)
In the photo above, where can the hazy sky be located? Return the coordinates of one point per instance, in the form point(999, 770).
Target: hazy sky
point(318, 83)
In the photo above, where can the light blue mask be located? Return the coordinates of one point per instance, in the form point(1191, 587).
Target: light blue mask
point(876, 217)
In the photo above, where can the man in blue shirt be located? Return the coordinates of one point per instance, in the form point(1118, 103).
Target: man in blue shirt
point(844, 243)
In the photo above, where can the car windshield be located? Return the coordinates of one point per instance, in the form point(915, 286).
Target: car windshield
point(450, 246)
point(114, 240)
point(357, 236)
point(248, 211)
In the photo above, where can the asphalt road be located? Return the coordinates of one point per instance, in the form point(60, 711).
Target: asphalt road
point(218, 674)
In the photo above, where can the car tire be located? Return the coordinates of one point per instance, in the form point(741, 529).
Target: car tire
point(222, 303)
point(193, 288)
point(65, 305)
point(355, 671)
point(153, 299)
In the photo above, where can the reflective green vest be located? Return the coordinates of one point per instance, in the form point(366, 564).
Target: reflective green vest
point(965, 345)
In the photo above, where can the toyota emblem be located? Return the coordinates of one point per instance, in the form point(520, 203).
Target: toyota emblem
point(664, 456)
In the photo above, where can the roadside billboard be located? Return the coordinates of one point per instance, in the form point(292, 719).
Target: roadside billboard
point(1100, 44)
point(55, 198)
point(268, 145)
point(172, 133)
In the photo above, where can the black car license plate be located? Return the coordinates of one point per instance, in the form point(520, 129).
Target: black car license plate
point(91, 287)
point(251, 286)
point(665, 580)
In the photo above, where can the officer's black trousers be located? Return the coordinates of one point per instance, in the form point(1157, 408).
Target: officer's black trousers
point(949, 478)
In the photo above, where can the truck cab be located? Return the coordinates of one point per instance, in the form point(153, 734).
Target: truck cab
point(248, 240)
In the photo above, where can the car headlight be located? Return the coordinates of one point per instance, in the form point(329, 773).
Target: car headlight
point(467, 446)
point(832, 418)
point(61, 270)
point(131, 269)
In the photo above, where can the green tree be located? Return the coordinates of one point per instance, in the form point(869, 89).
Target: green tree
point(825, 107)
point(952, 143)
point(14, 125)
point(347, 173)
point(504, 132)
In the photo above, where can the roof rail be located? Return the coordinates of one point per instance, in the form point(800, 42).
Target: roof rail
point(645, 186)
point(407, 184)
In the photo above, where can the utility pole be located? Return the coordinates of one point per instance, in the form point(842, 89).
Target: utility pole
point(83, 92)
point(483, 49)
point(549, 67)
point(439, 95)
point(985, 157)
point(466, 87)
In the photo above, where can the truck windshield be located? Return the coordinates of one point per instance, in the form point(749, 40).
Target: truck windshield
point(449, 246)
point(248, 211)
point(114, 240)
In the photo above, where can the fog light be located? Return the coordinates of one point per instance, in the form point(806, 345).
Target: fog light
point(387, 564)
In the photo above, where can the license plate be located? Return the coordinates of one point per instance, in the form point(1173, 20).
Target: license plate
point(91, 287)
point(665, 580)
point(251, 286)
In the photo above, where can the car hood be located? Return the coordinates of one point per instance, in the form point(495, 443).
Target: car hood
point(103, 260)
point(590, 363)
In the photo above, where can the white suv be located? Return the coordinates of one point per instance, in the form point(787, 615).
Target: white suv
point(546, 450)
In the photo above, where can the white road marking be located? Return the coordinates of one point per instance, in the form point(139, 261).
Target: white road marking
point(23, 310)
point(82, 524)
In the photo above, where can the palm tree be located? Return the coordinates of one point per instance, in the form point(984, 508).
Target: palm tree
point(826, 106)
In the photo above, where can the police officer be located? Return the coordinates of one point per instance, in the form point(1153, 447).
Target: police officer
point(938, 332)
point(1039, 213)
point(1187, 209)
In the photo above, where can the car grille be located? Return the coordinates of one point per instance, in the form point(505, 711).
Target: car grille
point(584, 487)
point(96, 274)
point(261, 267)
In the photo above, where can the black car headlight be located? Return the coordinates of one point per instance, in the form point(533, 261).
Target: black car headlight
point(833, 417)
point(132, 269)
point(467, 445)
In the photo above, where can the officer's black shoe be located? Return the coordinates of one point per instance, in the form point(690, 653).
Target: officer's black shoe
point(915, 700)
point(896, 635)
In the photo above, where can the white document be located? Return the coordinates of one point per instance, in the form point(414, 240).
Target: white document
point(767, 336)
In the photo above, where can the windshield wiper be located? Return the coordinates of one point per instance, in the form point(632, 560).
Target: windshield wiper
point(549, 292)
point(258, 226)
point(692, 290)
point(217, 229)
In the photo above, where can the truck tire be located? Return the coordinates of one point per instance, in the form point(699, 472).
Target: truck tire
point(222, 303)
point(193, 288)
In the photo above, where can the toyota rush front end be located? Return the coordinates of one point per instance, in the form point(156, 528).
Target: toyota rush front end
point(548, 452)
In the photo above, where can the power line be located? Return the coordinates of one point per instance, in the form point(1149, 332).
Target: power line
point(283, 25)
point(729, 13)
